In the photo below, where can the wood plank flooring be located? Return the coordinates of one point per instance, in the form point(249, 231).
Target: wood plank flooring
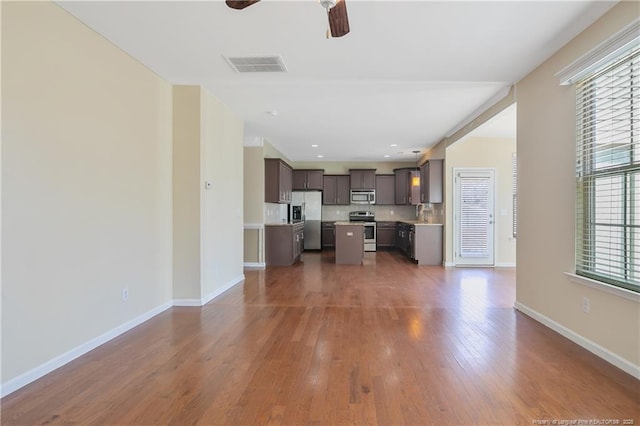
point(386, 343)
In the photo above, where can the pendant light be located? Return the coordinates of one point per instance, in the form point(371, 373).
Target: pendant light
point(415, 178)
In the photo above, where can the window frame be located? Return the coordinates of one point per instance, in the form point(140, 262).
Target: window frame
point(588, 174)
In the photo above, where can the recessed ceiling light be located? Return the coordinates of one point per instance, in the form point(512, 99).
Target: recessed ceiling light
point(320, 156)
point(387, 156)
point(393, 145)
point(314, 146)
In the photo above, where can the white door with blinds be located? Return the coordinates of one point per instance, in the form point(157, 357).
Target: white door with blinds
point(474, 217)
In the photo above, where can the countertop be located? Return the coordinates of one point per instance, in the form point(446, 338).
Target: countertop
point(410, 222)
point(419, 223)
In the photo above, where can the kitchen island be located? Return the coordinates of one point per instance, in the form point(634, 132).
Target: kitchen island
point(349, 243)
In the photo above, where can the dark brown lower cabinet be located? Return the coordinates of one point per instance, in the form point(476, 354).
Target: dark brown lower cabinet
point(420, 242)
point(328, 235)
point(404, 238)
point(385, 234)
point(283, 243)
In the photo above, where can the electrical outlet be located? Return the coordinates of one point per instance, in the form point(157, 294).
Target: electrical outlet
point(125, 294)
point(586, 305)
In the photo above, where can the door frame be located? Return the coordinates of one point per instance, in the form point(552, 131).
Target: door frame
point(456, 223)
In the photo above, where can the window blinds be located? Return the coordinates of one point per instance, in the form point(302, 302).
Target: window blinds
point(474, 216)
point(514, 193)
point(608, 173)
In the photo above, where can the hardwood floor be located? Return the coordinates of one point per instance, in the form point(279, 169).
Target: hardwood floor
point(386, 343)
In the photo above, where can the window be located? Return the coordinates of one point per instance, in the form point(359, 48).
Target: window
point(514, 192)
point(608, 173)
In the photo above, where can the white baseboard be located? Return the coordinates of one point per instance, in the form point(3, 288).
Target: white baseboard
point(208, 298)
point(497, 265)
point(589, 345)
point(24, 379)
point(255, 265)
point(187, 302)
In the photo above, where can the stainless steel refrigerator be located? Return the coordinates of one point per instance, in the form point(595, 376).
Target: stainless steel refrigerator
point(311, 202)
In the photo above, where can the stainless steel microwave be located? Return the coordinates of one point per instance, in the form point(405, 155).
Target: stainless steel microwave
point(363, 196)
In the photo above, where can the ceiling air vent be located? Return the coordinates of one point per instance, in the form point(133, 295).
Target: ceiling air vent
point(256, 63)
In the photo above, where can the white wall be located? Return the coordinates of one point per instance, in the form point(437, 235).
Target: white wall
point(86, 186)
point(492, 153)
point(546, 209)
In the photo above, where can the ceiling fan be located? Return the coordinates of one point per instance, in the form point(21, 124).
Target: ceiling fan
point(336, 10)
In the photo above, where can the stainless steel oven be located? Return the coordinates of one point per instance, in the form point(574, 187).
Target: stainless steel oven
point(369, 236)
point(368, 221)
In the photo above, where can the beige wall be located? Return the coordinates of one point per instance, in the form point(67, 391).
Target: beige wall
point(488, 153)
point(253, 204)
point(270, 151)
point(221, 164)
point(186, 192)
point(86, 186)
point(546, 168)
point(437, 152)
point(208, 244)
point(252, 246)
point(93, 145)
point(253, 185)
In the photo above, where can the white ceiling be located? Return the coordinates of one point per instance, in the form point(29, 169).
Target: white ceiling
point(407, 73)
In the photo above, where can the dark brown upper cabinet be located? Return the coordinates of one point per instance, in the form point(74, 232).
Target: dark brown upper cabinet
point(401, 186)
point(431, 181)
point(363, 178)
point(407, 184)
point(278, 179)
point(385, 189)
point(308, 180)
point(336, 190)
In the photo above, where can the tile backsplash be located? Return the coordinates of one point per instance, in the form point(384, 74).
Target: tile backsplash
point(277, 213)
point(433, 212)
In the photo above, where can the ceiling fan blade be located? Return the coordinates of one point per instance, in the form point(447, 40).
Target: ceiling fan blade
point(338, 20)
point(240, 4)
